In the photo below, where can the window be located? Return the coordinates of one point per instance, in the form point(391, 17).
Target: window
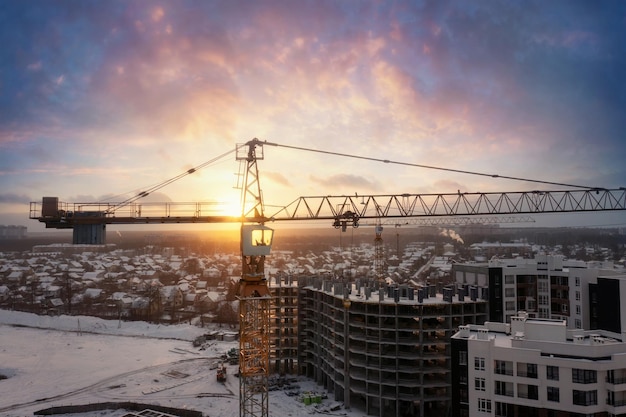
point(528, 370)
point(616, 376)
point(585, 397)
point(510, 305)
point(584, 376)
point(463, 395)
point(479, 384)
point(578, 309)
point(509, 279)
point(528, 391)
point(504, 388)
point(484, 405)
point(504, 409)
point(578, 281)
point(577, 295)
point(578, 324)
point(509, 292)
point(503, 367)
point(553, 394)
point(479, 364)
point(463, 357)
point(552, 373)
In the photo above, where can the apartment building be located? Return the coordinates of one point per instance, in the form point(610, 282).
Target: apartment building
point(383, 349)
point(537, 367)
point(548, 286)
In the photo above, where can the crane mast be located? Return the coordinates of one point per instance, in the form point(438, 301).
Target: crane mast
point(254, 296)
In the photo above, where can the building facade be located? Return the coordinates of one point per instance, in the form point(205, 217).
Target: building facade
point(545, 287)
point(383, 350)
point(537, 367)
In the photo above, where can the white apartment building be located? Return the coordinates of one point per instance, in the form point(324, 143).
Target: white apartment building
point(537, 367)
point(548, 286)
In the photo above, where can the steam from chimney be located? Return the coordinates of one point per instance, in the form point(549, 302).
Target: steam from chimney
point(451, 234)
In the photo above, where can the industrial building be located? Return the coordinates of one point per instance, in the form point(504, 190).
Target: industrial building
point(538, 367)
point(383, 349)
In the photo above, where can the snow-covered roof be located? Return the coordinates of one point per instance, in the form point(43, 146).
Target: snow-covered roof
point(93, 292)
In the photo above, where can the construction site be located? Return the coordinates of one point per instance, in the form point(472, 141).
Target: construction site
point(377, 345)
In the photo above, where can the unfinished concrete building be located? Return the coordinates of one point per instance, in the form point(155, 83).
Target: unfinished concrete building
point(384, 350)
point(283, 324)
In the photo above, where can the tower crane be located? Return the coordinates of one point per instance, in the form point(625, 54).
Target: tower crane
point(254, 294)
point(379, 255)
point(88, 221)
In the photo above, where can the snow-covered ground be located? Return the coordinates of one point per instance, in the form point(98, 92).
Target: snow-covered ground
point(69, 360)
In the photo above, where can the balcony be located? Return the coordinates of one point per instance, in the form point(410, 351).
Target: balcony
point(504, 372)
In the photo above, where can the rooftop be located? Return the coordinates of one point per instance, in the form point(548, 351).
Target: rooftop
point(547, 336)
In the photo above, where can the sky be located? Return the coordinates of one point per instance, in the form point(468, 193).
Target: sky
point(100, 100)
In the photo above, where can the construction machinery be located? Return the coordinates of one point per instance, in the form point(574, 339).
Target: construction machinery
point(89, 220)
point(220, 375)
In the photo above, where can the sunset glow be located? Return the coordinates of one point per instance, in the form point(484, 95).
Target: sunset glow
point(101, 98)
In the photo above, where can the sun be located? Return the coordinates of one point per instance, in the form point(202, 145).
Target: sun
point(228, 208)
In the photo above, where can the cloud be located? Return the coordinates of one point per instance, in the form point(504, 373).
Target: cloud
point(12, 198)
point(108, 98)
point(447, 186)
point(345, 181)
point(277, 177)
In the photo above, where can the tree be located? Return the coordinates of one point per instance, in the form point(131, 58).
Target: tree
point(226, 313)
point(192, 266)
point(232, 290)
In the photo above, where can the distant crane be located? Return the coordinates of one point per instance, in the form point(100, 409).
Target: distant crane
point(379, 252)
point(89, 220)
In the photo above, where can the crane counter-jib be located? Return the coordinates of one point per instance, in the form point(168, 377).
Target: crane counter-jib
point(57, 214)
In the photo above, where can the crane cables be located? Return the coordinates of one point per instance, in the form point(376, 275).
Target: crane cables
point(460, 171)
point(167, 182)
